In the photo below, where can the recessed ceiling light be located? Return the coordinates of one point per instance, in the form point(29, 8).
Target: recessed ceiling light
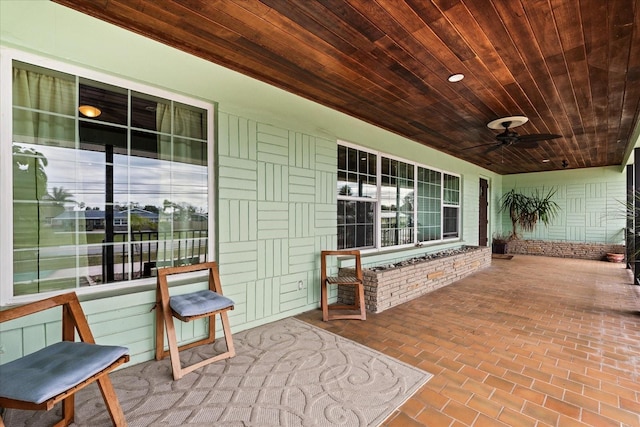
point(455, 77)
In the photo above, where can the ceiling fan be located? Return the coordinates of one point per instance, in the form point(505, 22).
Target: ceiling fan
point(509, 137)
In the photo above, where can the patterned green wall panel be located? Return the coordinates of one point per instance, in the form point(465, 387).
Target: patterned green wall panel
point(237, 179)
point(302, 256)
point(230, 252)
point(576, 219)
point(593, 219)
point(273, 182)
point(325, 191)
point(233, 170)
point(595, 204)
point(238, 263)
point(302, 180)
point(302, 149)
point(557, 232)
point(301, 220)
point(273, 144)
point(223, 138)
point(576, 205)
point(302, 185)
point(272, 158)
point(292, 292)
point(290, 286)
point(312, 287)
point(326, 218)
point(322, 243)
point(246, 139)
point(576, 233)
point(273, 220)
point(596, 190)
point(234, 136)
point(251, 304)
point(576, 191)
point(593, 234)
point(240, 222)
point(263, 306)
point(278, 135)
point(237, 184)
point(272, 257)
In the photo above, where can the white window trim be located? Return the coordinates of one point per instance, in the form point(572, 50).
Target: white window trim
point(378, 238)
point(7, 56)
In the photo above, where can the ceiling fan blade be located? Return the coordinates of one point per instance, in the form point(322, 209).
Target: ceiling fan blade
point(537, 137)
point(477, 146)
point(494, 148)
point(527, 144)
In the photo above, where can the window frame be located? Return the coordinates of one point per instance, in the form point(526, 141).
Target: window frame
point(377, 201)
point(363, 199)
point(7, 56)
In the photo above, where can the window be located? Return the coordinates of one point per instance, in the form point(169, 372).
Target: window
point(429, 207)
point(396, 203)
point(103, 196)
point(386, 202)
point(451, 201)
point(357, 198)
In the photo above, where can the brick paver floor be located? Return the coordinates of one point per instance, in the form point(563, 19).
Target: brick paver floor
point(532, 341)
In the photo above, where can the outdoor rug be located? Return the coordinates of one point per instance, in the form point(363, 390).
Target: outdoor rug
point(286, 373)
point(501, 256)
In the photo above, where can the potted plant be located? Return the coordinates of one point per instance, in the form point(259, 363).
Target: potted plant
point(615, 257)
point(526, 210)
point(499, 243)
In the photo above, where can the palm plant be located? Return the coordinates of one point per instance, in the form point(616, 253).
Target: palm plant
point(59, 196)
point(525, 211)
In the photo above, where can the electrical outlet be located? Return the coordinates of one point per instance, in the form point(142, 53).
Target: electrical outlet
point(300, 285)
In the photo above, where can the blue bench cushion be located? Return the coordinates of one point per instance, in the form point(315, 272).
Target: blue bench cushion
point(39, 376)
point(200, 302)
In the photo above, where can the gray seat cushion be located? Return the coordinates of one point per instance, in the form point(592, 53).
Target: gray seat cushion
point(39, 376)
point(200, 302)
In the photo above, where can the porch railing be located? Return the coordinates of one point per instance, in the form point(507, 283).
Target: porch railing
point(148, 250)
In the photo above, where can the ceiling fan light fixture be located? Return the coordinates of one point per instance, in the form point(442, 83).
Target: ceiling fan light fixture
point(89, 111)
point(456, 77)
point(511, 121)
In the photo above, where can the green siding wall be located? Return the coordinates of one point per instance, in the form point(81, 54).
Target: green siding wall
point(276, 210)
point(590, 200)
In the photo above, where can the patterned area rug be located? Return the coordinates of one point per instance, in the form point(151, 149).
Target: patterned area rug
point(287, 373)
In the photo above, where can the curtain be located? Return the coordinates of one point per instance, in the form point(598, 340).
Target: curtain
point(39, 94)
point(43, 120)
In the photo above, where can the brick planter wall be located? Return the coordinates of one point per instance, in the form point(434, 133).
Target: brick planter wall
point(387, 288)
point(594, 251)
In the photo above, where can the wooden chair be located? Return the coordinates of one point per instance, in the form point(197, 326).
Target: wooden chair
point(53, 374)
point(357, 282)
point(188, 307)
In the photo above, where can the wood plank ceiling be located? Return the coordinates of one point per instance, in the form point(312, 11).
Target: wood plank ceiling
point(571, 66)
